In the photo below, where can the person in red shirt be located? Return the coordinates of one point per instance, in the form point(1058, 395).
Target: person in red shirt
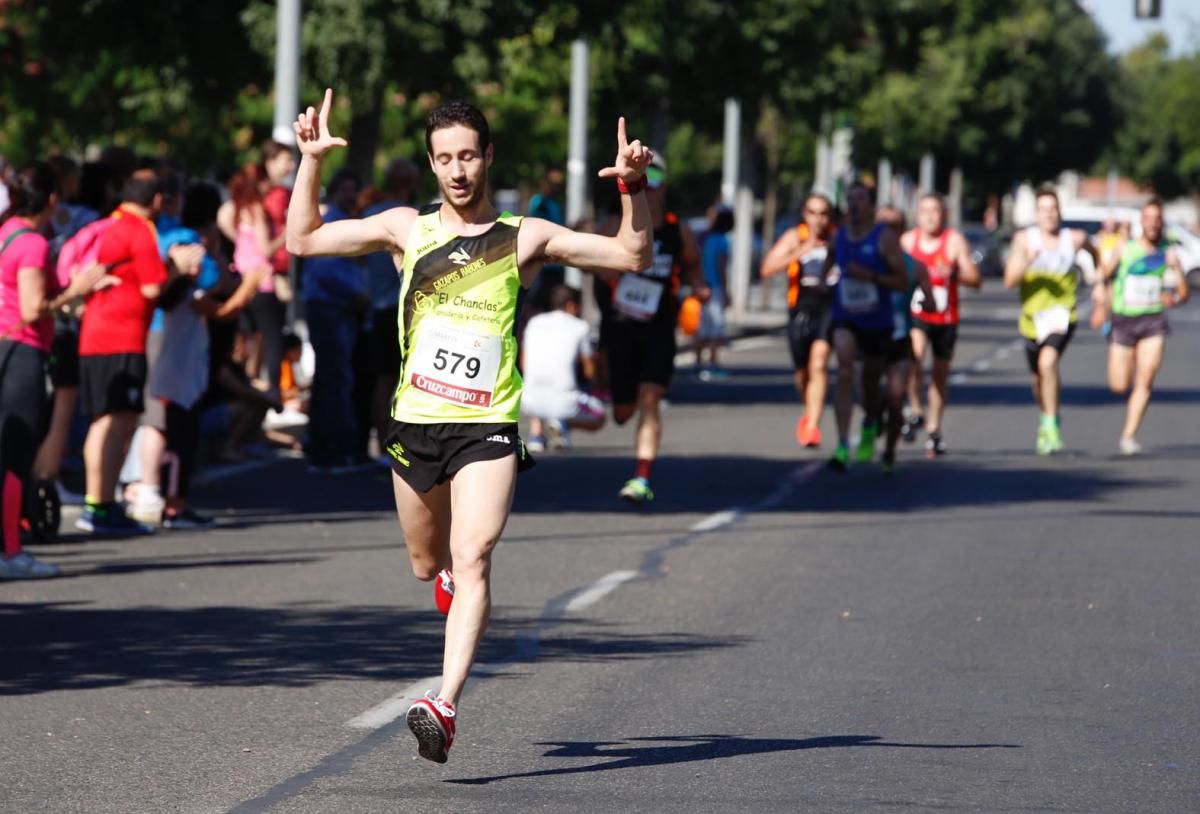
point(112, 350)
point(947, 255)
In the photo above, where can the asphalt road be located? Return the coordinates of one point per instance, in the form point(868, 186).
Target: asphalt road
point(987, 632)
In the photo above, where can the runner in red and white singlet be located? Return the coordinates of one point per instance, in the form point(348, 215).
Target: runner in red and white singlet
point(947, 255)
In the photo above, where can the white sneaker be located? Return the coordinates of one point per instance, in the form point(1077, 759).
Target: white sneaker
point(148, 508)
point(1130, 446)
point(26, 566)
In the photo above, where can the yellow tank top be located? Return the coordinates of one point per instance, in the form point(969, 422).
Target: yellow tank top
point(1049, 287)
point(458, 308)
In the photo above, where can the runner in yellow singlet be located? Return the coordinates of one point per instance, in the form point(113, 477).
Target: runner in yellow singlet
point(454, 441)
point(1042, 265)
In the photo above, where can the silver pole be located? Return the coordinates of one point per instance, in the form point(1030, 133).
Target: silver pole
point(577, 147)
point(884, 183)
point(287, 70)
point(733, 133)
point(927, 173)
point(743, 247)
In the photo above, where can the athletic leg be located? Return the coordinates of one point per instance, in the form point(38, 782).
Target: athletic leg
point(898, 377)
point(481, 497)
point(846, 350)
point(916, 385)
point(425, 522)
point(93, 458)
point(1120, 368)
point(939, 389)
point(649, 429)
point(1048, 385)
point(54, 445)
point(1149, 357)
point(818, 381)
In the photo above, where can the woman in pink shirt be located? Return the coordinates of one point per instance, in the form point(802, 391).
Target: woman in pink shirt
point(27, 301)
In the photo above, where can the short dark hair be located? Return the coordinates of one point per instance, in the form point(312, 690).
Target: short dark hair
point(1154, 201)
point(862, 184)
point(271, 148)
point(561, 294)
point(1048, 191)
point(141, 187)
point(458, 113)
point(30, 190)
point(935, 196)
point(201, 200)
point(342, 176)
point(723, 220)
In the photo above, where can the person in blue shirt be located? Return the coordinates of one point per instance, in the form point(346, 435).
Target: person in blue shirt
point(335, 297)
point(714, 261)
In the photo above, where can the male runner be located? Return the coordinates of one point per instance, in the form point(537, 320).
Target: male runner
point(900, 355)
point(1138, 271)
point(640, 336)
point(872, 267)
point(1042, 264)
point(947, 256)
point(801, 252)
point(454, 442)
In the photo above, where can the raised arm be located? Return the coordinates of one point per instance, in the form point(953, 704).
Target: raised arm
point(781, 255)
point(307, 236)
point(630, 250)
point(1019, 260)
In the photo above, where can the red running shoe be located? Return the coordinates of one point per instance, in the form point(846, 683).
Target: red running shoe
point(431, 720)
point(443, 590)
point(807, 435)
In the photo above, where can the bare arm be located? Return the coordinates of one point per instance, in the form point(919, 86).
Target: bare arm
point(630, 250)
point(1182, 292)
point(968, 271)
point(225, 221)
point(1018, 261)
point(897, 278)
point(306, 235)
point(781, 255)
point(31, 291)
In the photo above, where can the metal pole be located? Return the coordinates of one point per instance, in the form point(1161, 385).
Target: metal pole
point(883, 183)
point(287, 70)
point(743, 237)
point(927, 180)
point(733, 134)
point(956, 195)
point(577, 147)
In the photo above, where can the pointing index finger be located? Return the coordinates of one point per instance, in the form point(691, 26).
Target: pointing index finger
point(325, 105)
point(622, 142)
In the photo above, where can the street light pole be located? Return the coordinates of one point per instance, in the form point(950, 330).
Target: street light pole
point(287, 70)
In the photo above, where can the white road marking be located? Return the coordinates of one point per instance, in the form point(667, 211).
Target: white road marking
point(599, 589)
point(716, 521)
point(391, 709)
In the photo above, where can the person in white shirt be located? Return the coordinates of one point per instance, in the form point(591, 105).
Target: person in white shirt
point(554, 345)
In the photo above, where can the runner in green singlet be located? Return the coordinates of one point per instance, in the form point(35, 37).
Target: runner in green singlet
point(454, 440)
point(1139, 272)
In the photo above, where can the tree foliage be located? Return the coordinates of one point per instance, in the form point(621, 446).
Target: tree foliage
point(1006, 91)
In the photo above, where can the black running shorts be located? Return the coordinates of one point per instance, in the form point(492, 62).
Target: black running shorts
point(873, 343)
point(426, 455)
point(638, 353)
point(942, 338)
point(112, 383)
point(1057, 341)
point(805, 328)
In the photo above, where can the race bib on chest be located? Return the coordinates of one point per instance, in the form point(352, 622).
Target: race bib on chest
point(456, 365)
point(638, 298)
point(858, 296)
point(941, 299)
point(1143, 291)
point(1051, 321)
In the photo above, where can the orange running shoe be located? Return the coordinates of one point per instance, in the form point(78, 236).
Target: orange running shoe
point(807, 435)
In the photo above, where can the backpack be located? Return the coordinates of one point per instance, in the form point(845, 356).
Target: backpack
point(81, 250)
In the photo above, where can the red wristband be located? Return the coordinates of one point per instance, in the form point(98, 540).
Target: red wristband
point(632, 188)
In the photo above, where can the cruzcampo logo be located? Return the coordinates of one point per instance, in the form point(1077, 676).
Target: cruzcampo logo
point(396, 450)
point(422, 303)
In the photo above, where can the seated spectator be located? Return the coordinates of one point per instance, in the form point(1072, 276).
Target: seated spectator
point(555, 343)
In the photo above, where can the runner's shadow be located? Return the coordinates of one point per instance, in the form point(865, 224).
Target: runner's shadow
point(629, 754)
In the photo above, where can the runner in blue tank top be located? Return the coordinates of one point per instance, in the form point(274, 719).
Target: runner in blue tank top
point(871, 268)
